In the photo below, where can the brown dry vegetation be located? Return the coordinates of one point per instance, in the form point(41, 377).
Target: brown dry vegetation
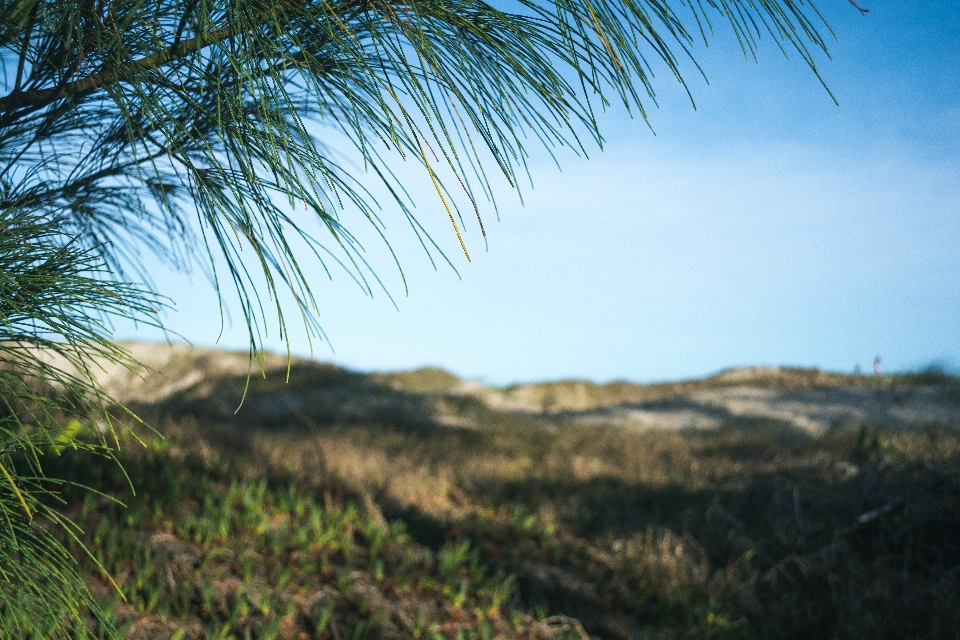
point(461, 516)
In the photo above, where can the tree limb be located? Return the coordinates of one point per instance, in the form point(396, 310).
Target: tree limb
point(40, 97)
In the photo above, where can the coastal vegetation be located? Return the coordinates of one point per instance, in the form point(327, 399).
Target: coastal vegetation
point(414, 505)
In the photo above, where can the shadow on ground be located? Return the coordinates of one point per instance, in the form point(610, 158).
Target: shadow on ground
point(405, 508)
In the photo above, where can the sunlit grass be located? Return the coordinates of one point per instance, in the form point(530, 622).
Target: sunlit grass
point(525, 525)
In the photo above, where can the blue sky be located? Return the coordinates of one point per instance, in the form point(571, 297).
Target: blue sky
point(769, 226)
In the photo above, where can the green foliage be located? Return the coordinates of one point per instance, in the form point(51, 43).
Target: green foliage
point(52, 309)
point(195, 129)
point(170, 107)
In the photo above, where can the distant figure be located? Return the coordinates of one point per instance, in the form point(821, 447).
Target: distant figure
point(876, 366)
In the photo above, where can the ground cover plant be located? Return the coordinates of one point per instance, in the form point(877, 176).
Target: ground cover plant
point(422, 513)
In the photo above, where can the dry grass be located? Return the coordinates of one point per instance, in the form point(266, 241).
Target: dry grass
point(753, 529)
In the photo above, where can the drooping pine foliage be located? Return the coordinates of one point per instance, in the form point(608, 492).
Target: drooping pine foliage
point(55, 297)
point(197, 129)
point(129, 118)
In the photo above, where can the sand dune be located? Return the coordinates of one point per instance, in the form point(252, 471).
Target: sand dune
point(212, 382)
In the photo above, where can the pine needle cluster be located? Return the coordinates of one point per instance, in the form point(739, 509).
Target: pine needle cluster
point(199, 130)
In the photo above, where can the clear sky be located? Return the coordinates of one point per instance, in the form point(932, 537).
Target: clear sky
point(769, 226)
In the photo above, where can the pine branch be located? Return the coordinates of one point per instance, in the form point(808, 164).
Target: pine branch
point(85, 86)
